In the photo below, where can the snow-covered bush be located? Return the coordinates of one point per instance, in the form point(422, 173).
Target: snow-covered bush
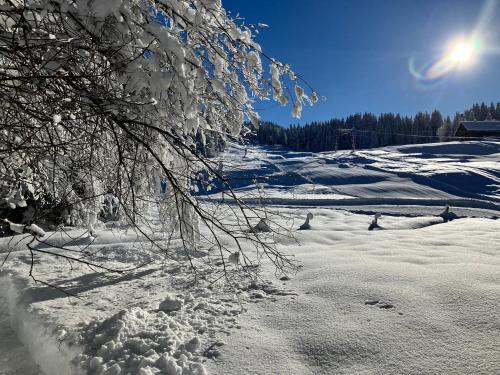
point(105, 99)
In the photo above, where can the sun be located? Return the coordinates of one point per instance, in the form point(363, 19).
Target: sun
point(461, 53)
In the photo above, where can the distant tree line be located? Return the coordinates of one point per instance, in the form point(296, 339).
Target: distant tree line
point(368, 130)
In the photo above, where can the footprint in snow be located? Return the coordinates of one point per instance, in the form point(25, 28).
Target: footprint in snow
point(379, 304)
point(386, 306)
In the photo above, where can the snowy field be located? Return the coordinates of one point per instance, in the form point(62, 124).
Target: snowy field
point(415, 296)
point(434, 172)
point(411, 299)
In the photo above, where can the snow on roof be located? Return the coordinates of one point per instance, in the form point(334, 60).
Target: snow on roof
point(481, 125)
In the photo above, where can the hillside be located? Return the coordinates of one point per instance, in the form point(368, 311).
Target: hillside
point(430, 174)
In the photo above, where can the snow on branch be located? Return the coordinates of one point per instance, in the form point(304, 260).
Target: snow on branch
point(104, 101)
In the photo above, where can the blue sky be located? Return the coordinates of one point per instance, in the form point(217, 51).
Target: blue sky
point(357, 53)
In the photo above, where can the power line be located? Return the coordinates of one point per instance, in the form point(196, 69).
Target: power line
point(418, 135)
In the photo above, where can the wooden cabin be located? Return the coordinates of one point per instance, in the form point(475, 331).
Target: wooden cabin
point(478, 129)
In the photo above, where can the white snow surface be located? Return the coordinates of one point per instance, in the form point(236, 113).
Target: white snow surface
point(439, 171)
point(15, 358)
point(152, 320)
point(416, 296)
point(420, 297)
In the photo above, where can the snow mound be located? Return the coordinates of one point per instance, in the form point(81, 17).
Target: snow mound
point(169, 340)
point(143, 342)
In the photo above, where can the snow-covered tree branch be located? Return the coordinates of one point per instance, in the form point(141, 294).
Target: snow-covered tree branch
point(103, 100)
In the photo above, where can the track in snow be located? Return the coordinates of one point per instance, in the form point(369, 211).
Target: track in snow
point(14, 357)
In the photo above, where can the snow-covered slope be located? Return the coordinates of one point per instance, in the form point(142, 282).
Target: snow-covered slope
point(448, 171)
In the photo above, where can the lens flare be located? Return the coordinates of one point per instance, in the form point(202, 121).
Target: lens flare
point(458, 55)
point(462, 53)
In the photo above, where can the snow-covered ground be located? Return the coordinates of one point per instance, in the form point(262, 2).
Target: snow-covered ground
point(419, 296)
point(433, 172)
point(410, 299)
point(14, 357)
point(157, 317)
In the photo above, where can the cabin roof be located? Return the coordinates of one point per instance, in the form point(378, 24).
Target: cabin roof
point(481, 125)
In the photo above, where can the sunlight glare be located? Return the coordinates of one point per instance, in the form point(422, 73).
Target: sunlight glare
point(461, 53)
